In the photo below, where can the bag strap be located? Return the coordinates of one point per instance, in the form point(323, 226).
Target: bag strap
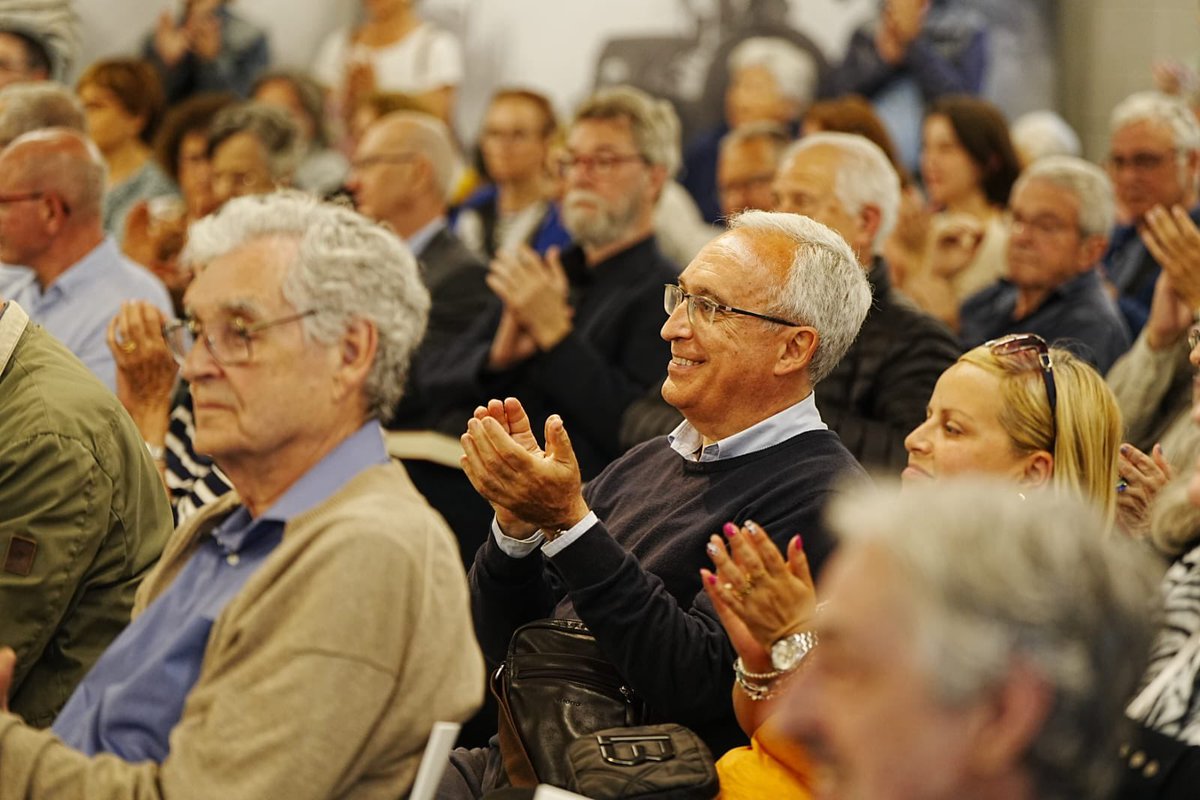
point(517, 763)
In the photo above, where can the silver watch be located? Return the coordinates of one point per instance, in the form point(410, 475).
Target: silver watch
point(788, 652)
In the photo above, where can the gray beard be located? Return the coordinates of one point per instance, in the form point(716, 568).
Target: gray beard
point(602, 226)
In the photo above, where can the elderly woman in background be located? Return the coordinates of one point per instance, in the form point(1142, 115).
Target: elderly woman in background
point(1013, 409)
point(123, 101)
point(321, 169)
point(155, 231)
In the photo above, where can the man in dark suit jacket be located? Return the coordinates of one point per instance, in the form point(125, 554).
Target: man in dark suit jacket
point(401, 175)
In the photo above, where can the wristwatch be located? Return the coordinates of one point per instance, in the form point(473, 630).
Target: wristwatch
point(788, 652)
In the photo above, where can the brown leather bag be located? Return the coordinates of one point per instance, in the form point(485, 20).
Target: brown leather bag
point(554, 687)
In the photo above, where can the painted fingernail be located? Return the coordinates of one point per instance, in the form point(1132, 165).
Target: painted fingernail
point(712, 549)
point(711, 579)
point(1124, 449)
point(730, 529)
point(797, 543)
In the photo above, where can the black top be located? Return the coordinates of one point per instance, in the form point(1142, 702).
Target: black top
point(634, 577)
point(1078, 315)
point(613, 355)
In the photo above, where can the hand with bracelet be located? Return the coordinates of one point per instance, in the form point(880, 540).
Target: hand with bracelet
point(766, 605)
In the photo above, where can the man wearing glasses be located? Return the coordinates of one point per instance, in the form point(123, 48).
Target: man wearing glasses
point(301, 635)
point(1061, 211)
point(758, 318)
point(402, 174)
point(578, 331)
point(1154, 154)
point(60, 267)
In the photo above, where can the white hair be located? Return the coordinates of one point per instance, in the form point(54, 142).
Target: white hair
point(31, 106)
point(653, 122)
point(346, 266)
point(274, 129)
point(793, 68)
point(1172, 112)
point(865, 177)
point(1161, 109)
point(996, 580)
point(1088, 182)
point(825, 288)
point(1044, 133)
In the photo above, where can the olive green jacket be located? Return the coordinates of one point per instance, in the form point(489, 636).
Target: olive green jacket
point(83, 515)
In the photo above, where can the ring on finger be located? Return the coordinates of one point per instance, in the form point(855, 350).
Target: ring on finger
point(128, 347)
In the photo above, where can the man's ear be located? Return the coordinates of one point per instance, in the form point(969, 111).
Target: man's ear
point(1090, 251)
point(658, 179)
point(356, 352)
point(798, 351)
point(1008, 719)
point(869, 220)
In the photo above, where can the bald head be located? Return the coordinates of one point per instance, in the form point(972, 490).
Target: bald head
point(403, 171)
point(422, 134)
point(56, 161)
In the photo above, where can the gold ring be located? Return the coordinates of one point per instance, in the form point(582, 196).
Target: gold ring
point(128, 347)
point(746, 589)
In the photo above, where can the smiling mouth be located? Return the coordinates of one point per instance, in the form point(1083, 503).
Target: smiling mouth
point(680, 361)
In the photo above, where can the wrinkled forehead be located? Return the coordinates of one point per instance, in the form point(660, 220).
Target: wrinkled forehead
point(248, 277)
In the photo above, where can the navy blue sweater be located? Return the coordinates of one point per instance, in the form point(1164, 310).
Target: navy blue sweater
point(634, 579)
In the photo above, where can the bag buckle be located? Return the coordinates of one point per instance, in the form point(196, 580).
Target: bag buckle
point(630, 751)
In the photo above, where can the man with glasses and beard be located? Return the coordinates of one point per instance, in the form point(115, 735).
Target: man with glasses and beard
point(577, 332)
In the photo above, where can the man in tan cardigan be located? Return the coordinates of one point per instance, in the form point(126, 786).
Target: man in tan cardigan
point(300, 636)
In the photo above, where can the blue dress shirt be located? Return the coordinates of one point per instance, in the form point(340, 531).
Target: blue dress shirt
point(134, 695)
point(78, 306)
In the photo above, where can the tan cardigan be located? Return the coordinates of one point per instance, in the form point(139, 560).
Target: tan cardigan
point(322, 676)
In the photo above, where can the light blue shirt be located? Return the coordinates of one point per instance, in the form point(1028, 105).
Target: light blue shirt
point(134, 695)
point(78, 306)
point(421, 239)
point(687, 441)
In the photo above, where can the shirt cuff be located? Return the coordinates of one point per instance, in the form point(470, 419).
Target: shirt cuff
point(516, 548)
point(564, 539)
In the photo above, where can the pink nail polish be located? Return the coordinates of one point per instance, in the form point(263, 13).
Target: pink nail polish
point(712, 579)
point(798, 542)
point(730, 529)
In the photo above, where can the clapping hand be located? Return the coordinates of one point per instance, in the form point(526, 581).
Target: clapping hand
point(1174, 241)
point(1142, 477)
point(530, 488)
point(759, 597)
point(534, 290)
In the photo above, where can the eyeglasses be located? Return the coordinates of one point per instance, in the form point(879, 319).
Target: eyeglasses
point(1021, 342)
point(1043, 225)
point(1139, 162)
point(24, 197)
point(707, 308)
point(601, 165)
point(1193, 337)
point(383, 158)
point(229, 344)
